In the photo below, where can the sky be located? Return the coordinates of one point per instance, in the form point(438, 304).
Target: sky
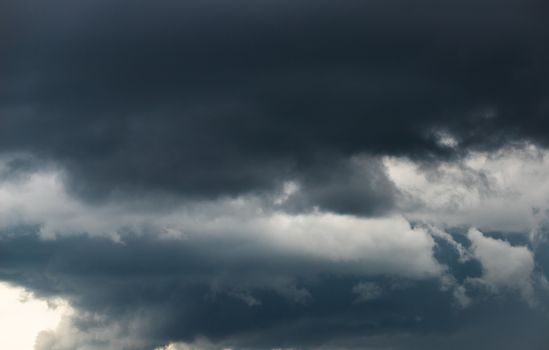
point(257, 175)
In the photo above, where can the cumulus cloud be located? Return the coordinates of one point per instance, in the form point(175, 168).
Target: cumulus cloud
point(501, 191)
point(504, 266)
point(250, 253)
point(23, 316)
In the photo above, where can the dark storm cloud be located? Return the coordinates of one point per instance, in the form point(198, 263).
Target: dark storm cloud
point(356, 186)
point(218, 98)
point(180, 290)
point(205, 99)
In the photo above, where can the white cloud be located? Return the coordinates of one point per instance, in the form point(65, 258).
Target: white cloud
point(23, 317)
point(96, 335)
point(503, 265)
point(382, 245)
point(494, 192)
point(378, 245)
point(499, 191)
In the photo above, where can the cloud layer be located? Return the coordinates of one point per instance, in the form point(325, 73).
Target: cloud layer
point(273, 174)
point(206, 99)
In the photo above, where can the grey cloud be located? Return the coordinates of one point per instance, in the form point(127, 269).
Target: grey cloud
point(17, 168)
point(207, 99)
point(367, 291)
point(357, 186)
point(142, 102)
point(146, 292)
point(184, 289)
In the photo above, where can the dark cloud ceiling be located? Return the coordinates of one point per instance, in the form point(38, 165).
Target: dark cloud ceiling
point(207, 99)
point(214, 98)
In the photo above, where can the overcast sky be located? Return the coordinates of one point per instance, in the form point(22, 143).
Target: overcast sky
point(274, 174)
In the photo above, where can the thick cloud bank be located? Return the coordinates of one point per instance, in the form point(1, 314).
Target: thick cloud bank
point(248, 273)
point(214, 98)
point(277, 174)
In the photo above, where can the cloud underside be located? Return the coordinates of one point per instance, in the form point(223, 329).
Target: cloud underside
point(211, 98)
point(209, 293)
point(247, 272)
point(258, 175)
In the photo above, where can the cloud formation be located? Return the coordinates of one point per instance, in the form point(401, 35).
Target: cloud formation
point(278, 174)
point(207, 99)
point(143, 293)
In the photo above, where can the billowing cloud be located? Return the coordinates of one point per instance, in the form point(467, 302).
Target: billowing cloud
point(23, 316)
point(504, 266)
point(206, 99)
point(277, 174)
point(142, 293)
point(502, 191)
